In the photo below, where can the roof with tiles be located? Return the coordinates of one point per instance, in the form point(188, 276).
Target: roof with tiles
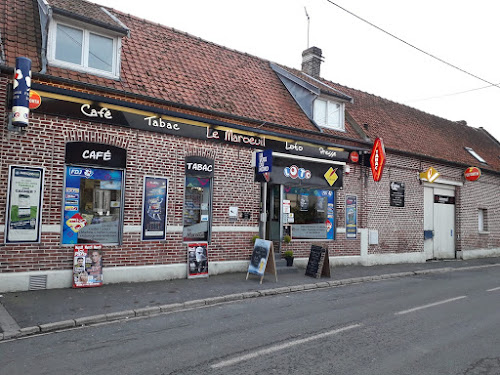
point(165, 64)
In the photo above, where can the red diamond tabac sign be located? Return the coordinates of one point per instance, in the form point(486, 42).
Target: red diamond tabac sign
point(377, 159)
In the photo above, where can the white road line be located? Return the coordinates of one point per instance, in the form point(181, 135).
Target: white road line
point(284, 346)
point(492, 290)
point(429, 305)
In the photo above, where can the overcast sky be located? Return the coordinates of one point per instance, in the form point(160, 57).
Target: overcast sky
point(462, 33)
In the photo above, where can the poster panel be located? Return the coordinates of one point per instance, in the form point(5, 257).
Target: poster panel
point(154, 208)
point(351, 217)
point(260, 254)
point(87, 266)
point(24, 204)
point(197, 260)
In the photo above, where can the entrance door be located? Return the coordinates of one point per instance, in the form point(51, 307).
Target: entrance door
point(439, 222)
point(273, 230)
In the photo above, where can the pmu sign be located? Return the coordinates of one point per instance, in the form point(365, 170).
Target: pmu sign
point(377, 159)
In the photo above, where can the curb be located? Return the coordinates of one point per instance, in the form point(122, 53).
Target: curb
point(157, 310)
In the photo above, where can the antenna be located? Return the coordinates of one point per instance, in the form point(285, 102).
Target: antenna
point(308, 24)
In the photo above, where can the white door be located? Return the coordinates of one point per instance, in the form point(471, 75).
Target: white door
point(439, 217)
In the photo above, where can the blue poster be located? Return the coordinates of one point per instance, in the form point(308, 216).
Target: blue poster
point(92, 205)
point(351, 217)
point(154, 208)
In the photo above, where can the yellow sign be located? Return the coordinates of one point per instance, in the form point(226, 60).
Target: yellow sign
point(430, 175)
point(331, 176)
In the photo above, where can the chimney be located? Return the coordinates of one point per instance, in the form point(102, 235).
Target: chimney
point(311, 61)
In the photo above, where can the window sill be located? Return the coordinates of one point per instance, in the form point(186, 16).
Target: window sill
point(484, 232)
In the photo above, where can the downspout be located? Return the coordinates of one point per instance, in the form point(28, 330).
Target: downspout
point(45, 12)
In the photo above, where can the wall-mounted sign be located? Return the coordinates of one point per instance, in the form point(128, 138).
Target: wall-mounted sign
point(377, 159)
point(354, 156)
point(304, 173)
point(154, 208)
point(351, 216)
point(87, 266)
point(93, 108)
point(264, 161)
point(397, 194)
point(444, 199)
point(472, 173)
point(96, 154)
point(21, 94)
point(430, 175)
point(199, 166)
point(24, 204)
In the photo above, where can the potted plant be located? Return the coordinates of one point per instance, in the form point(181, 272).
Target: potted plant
point(288, 255)
point(254, 238)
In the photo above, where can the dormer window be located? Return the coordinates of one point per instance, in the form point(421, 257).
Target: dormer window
point(84, 49)
point(476, 155)
point(329, 114)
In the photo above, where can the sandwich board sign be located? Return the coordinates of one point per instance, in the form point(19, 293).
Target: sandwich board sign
point(262, 260)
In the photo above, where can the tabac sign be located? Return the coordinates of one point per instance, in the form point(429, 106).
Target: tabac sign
point(377, 159)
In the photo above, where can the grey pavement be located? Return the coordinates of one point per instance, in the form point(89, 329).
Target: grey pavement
point(31, 312)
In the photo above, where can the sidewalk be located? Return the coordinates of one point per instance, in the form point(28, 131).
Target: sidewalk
point(48, 310)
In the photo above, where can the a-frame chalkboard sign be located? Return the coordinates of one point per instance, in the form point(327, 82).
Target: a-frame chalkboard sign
point(319, 263)
point(262, 260)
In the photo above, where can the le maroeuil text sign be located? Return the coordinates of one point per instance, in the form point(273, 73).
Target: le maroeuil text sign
point(100, 112)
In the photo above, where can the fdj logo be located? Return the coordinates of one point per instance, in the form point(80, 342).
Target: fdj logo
point(296, 172)
point(81, 172)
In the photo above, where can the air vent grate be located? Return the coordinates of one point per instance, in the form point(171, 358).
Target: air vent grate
point(38, 282)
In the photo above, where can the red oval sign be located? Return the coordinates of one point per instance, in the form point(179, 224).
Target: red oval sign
point(35, 100)
point(354, 156)
point(472, 173)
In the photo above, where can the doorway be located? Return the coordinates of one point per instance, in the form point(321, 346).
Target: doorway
point(439, 222)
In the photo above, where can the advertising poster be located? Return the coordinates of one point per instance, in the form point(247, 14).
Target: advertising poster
point(258, 261)
point(197, 260)
point(24, 204)
point(92, 205)
point(351, 217)
point(397, 194)
point(87, 266)
point(154, 208)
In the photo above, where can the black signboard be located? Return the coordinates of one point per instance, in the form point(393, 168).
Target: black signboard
point(96, 154)
point(444, 199)
point(199, 166)
point(155, 120)
point(318, 264)
point(397, 194)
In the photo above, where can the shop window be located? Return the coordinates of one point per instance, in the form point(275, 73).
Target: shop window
point(92, 206)
point(329, 114)
point(312, 212)
point(78, 48)
point(483, 220)
point(197, 209)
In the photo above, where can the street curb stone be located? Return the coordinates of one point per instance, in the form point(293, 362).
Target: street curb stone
point(48, 327)
point(57, 325)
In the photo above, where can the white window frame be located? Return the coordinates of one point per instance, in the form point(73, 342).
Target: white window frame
point(328, 125)
point(482, 220)
point(87, 29)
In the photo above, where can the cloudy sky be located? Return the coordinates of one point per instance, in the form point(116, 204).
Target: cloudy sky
point(443, 56)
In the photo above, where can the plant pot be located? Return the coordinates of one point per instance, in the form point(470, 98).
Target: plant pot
point(289, 261)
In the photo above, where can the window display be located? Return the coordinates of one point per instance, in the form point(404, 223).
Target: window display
point(197, 205)
point(312, 211)
point(92, 206)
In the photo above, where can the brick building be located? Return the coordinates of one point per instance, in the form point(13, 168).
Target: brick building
point(145, 139)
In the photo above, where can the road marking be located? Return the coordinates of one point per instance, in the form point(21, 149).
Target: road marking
point(284, 346)
point(429, 305)
point(492, 290)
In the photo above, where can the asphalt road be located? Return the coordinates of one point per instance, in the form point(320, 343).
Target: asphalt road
point(435, 324)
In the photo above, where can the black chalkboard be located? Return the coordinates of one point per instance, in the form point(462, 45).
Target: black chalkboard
point(318, 264)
